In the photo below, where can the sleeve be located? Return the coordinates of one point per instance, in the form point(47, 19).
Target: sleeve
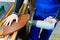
point(18, 5)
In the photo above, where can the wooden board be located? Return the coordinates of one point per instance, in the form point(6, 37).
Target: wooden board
point(16, 26)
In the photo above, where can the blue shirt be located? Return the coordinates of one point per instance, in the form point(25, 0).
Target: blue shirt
point(45, 8)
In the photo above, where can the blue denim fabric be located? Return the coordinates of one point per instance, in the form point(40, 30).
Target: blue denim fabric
point(44, 8)
point(34, 33)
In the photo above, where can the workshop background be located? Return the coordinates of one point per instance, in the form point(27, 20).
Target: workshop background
point(56, 33)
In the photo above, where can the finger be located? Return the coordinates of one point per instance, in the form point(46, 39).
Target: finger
point(6, 22)
point(46, 19)
point(53, 20)
point(5, 19)
point(50, 17)
point(16, 19)
point(10, 22)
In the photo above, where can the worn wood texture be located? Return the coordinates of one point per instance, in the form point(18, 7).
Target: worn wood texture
point(16, 26)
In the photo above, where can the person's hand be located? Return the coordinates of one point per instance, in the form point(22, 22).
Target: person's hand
point(10, 19)
point(50, 19)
